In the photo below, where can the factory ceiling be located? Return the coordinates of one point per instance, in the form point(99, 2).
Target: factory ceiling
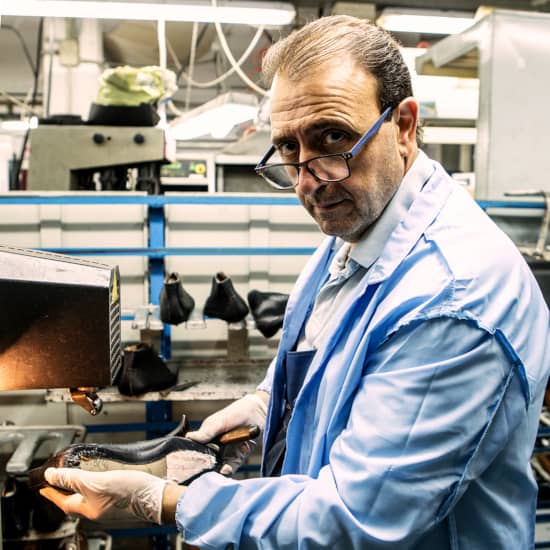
point(135, 43)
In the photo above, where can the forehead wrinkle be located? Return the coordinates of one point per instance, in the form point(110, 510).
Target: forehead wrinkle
point(311, 117)
point(340, 92)
point(308, 130)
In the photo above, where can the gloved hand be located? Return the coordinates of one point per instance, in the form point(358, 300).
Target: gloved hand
point(250, 410)
point(97, 493)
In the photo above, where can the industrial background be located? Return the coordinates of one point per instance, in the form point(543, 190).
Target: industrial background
point(174, 191)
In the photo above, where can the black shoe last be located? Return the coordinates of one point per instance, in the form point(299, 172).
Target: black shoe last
point(176, 304)
point(143, 371)
point(224, 302)
point(268, 310)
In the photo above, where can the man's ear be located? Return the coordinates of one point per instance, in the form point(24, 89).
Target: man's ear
point(407, 120)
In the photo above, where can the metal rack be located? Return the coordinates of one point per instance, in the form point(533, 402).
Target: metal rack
point(209, 379)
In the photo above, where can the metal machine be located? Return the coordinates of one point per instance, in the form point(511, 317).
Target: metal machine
point(59, 324)
point(508, 51)
point(102, 158)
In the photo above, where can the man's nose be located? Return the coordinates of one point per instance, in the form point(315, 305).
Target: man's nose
point(307, 182)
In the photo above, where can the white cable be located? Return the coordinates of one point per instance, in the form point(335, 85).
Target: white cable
point(173, 55)
point(46, 103)
point(229, 56)
point(173, 108)
point(191, 65)
point(241, 60)
point(161, 37)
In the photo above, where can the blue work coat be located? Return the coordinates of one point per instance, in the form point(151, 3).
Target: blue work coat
point(417, 417)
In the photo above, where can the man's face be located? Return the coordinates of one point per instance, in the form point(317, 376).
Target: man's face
point(327, 112)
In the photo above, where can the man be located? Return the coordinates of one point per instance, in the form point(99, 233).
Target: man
point(405, 395)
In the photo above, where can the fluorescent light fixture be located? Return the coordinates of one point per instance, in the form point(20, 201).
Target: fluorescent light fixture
point(215, 118)
point(250, 13)
point(425, 21)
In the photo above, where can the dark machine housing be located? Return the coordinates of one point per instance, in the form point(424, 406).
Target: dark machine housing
point(59, 321)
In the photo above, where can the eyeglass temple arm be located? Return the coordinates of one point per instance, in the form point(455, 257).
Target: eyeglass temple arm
point(355, 148)
point(262, 162)
point(376, 126)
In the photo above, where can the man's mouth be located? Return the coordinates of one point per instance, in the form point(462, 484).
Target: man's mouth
point(328, 205)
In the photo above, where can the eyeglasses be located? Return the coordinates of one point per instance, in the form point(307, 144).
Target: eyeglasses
point(324, 168)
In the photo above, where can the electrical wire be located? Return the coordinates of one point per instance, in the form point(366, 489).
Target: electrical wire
point(189, 76)
point(229, 55)
point(161, 37)
point(23, 44)
point(191, 65)
point(234, 67)
point(17, 168)
point(50, 70)
point(174, 57)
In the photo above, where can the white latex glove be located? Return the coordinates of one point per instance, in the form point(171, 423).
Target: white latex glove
point(95, 494)
point(250, 410)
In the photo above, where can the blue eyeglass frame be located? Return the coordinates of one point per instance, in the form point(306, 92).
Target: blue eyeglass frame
point(362, 141)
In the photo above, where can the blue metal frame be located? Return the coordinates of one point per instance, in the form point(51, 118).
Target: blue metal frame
point(161, 252)
point(162, 200)
point(151, 200)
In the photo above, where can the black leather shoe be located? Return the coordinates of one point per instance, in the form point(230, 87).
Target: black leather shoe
point(143, 371)
point(171, 457)
point(268, 310)
point(224, 302)
point(176, 304)
point(15, 509)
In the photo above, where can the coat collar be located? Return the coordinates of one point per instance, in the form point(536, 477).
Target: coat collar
point(369, 248)
point(422, 212)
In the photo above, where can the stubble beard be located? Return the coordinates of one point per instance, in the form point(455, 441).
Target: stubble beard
point(362, 216)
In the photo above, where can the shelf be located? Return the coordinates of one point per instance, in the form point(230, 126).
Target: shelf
point(457, 55)
point(237, 160)
point(216, 380)
point(449, 135)
point(463, 66)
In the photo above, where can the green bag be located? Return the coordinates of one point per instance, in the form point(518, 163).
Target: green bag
point(131, 86)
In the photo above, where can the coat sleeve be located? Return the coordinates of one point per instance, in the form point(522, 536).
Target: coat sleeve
point(438, 401)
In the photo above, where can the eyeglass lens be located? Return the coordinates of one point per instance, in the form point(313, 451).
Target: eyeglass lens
point(323, 168)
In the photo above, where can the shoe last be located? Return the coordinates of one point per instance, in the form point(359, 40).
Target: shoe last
point(143, 371)
point(224, 302)
point(268, 310)
point(176, 304)
point(15, 509)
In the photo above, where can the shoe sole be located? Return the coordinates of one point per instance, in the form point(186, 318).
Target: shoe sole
point(176, 458)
